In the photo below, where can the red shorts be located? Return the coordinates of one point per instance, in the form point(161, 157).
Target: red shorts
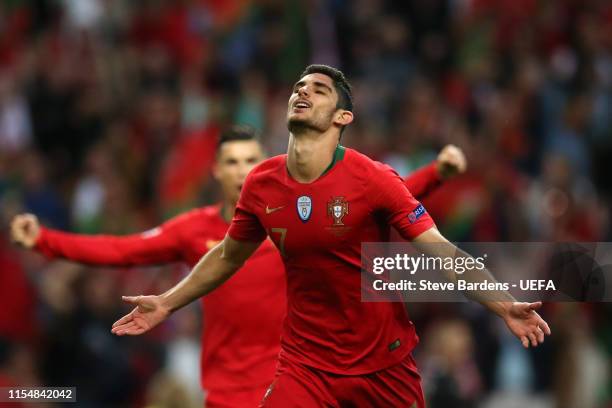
point(297, 385)
point(244, 398)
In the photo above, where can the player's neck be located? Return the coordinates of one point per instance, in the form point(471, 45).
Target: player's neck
point(309, 155)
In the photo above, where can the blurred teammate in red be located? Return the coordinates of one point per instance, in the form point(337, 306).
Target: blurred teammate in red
point(243, 319)
point(318, 203)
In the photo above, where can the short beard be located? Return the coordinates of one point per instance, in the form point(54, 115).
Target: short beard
point(297, 126)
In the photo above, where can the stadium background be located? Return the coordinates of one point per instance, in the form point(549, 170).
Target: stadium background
point(109, 112)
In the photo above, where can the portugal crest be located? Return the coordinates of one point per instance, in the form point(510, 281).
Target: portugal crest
point(337, 208)
point(304, 207)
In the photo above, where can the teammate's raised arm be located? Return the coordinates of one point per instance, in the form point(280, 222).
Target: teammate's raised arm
point(213, 269)
point(158, 245)
point(451, 161)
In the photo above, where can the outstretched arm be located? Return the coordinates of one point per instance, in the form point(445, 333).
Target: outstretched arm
point(218, 265)
point(244, 236)
point(520, 317)
point(410, 218)
point(450, 162)
point(159, 245)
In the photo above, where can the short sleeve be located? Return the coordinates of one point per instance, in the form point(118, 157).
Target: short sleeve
point(245, 225)
point(389, 196)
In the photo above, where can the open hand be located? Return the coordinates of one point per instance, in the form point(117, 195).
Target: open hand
point(526, 324)
point(149, 312)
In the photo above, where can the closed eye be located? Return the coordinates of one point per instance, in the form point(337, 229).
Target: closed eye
point(297, 86)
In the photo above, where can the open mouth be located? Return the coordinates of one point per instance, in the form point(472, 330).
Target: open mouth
point(301, 105)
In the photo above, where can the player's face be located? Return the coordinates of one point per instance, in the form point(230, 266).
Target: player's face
point(234, 161)
point(312, 103)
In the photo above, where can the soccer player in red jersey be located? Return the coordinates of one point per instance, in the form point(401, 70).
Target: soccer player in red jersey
point(240, 342)
point(318, 203)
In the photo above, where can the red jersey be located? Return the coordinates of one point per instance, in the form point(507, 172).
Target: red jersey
point(243, 317)
point(318, 228)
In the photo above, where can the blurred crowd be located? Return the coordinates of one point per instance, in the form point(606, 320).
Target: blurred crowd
point(109, 114)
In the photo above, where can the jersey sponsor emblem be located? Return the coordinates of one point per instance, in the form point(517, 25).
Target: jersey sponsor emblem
point(416, 213)
point(304, 207)
point(337, 208)
point(271, 210)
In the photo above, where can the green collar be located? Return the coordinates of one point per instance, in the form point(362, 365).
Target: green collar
point(338, 155)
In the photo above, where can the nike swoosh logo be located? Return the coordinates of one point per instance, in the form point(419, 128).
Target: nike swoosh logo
point(271, 210)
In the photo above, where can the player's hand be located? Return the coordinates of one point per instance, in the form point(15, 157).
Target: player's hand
point(149, 312)
point(451, 162)
point(526, 324)
point(25, 230)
